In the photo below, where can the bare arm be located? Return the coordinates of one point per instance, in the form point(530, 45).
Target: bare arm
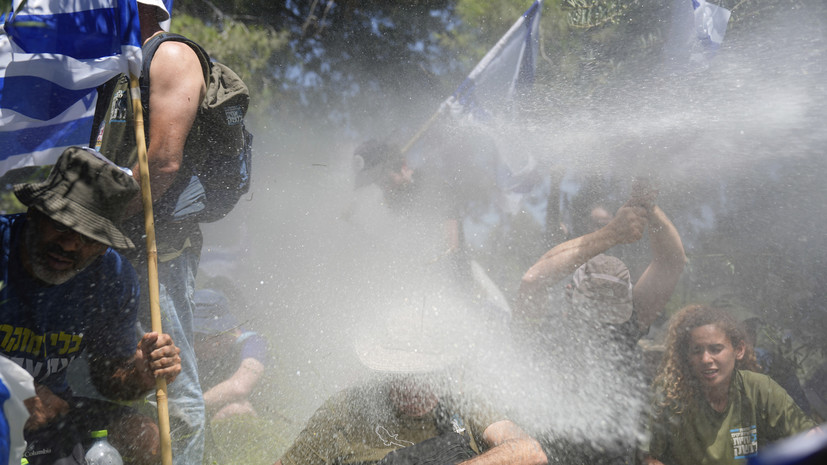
point(654, 288)
point(237, 388)
point(561, 261)
point(43, 408)
point(509, 444)
point(177, 88)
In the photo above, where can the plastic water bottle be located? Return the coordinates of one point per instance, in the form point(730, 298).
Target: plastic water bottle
point(101, 452)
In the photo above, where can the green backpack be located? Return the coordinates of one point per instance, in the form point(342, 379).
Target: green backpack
point(218, 151)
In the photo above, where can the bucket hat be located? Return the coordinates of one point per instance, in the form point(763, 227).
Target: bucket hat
point(408, 346)
point(85, 192)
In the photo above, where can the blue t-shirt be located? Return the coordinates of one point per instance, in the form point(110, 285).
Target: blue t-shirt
point(43, 328)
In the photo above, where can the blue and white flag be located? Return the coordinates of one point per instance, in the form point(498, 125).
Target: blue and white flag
point(53, 55)
point(710, 23)
point(492, 91)
point(505, 71)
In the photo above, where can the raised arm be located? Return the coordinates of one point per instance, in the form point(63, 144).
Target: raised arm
point(654, 288)
point(509, 445)
point(626, 227)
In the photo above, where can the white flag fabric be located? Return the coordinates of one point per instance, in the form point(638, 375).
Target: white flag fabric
point(710, 23)
point(53, 55)
point(502, 73)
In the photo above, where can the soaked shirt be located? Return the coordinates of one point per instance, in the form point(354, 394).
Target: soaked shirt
point(360, 426)
point(758, 413)
point(43, 328)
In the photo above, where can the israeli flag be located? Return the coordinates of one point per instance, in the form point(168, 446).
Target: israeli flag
point(53, 55)
point(710, 23)
point(505, 71)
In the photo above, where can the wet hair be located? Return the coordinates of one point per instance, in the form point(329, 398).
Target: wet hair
point(675, 383)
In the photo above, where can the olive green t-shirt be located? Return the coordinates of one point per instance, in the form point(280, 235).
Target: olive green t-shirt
point(359, 426)
point(759, 412)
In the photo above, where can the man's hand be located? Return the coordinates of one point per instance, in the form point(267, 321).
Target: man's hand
point(628, 225)
point(643, 194)
point(44, 407)
point(157, 357)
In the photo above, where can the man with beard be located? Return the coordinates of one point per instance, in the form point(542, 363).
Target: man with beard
point(67, 291)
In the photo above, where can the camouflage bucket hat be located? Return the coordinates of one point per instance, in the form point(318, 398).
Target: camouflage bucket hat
point(602, 288)
point(85, 192)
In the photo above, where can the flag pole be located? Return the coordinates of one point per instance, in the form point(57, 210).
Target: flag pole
point(152, 265)
point(481, 67)
point(423, 129)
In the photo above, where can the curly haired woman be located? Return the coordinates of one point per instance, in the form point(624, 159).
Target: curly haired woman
point(710, 408)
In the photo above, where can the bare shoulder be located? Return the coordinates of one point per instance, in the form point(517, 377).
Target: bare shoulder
point(177, 60)
point(176, 71)
point(173, 49)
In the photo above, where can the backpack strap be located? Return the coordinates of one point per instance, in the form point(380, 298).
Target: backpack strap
point(149, 49)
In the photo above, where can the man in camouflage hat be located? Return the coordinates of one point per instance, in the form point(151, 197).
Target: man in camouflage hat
point(67, 291)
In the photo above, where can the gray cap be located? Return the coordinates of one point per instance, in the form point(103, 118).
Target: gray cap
point(602, 288)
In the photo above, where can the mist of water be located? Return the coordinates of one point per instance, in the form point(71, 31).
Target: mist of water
point(742, 139)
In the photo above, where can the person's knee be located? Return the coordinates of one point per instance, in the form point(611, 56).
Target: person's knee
point(138, 440)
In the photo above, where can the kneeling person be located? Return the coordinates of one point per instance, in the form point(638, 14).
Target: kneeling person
point(68, 291)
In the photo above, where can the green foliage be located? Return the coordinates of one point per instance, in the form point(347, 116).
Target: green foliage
point(8, 201)
point(247, 50)
point(336, 56)
point(595, 13)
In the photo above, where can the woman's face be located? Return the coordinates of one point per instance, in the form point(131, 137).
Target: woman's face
point(712, 357)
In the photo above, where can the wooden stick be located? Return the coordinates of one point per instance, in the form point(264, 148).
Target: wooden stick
point(423, 129)
point(152, 265)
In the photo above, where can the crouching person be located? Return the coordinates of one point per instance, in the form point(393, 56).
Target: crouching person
point(66, 291)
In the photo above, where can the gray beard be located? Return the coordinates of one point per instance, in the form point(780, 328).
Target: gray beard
point(38, 261)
